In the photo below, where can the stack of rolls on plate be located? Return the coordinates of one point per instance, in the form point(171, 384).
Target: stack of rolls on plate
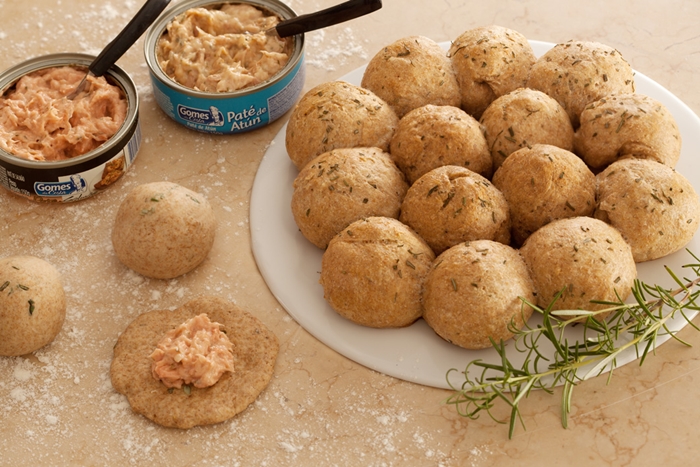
point(463, 184)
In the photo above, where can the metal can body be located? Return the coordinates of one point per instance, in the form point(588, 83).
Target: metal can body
point(226, 112)
point(82, 176)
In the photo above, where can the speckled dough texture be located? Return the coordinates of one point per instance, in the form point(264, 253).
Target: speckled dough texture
point(373, 271)
point(342, 186)
point(451, 204)
point(255, 350)
point(523, 118)
point(412, 72)
point(627, 125)
point(577, 73)
point(582, 257)
point(163, 230)
point(544, 183)
point(32, 304)
point(337, 115)
point(435, 135)
point(489, 62)
point(473, 292)
point(655, 208)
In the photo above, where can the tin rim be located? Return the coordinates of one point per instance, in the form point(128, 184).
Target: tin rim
point(118, 77)
point(156, 30)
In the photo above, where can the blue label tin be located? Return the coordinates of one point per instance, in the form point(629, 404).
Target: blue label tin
point(229, 112)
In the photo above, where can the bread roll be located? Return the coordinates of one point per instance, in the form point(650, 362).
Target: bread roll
point(337, 115)
point(523, 118)
point(489, 62)
point(542, 184)
point(432, 136)
point(373, 271)
point(451, 204)
point(577, 73)
point(583, 259)
point(474, 291)
point(342, 186)
point(656, 209)
point(410, 73)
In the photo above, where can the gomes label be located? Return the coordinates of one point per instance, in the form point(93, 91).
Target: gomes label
point(64, 188)
point(211, 116)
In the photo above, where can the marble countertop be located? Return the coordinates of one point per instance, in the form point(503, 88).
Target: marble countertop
point(57, 406)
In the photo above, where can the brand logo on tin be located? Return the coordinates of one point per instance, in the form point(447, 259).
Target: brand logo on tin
point(211, 117)
point(63, 188)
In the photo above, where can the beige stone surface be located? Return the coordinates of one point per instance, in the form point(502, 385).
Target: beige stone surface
point(58, 407)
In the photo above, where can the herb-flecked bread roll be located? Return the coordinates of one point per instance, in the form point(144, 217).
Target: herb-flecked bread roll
point(577, 73)
point(544, 183)
point(255, 350)
point(337, 115)
point(523, 118)
point(432, 136)
point(627, 125)
point(410, 73)
point(656, 209)
point(489, 62)
point(163, 230)
point(342, 186)
point(474, 291)
point(372, 273)
point(582, 258)
point(32, 304)
point(451, 204)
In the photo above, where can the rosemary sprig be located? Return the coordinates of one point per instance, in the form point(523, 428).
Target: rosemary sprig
point(556, 354)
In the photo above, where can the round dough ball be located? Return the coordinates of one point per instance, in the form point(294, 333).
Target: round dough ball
point(474, 292)
point(255, 350)
point(163, 230)
point(577, 73)
point(410, 73)
point(489, 62)
point(582, 258)
point(625, 125)
point(432, 136)
point(342, 186)
point(32, 304)
point(655, 208)
point(373, 271)
point(542, 184)
point(337, 115)
point(523, 118)
point(451, 204)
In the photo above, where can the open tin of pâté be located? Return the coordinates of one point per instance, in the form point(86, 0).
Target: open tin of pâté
point(226, 112)
point(81, 176)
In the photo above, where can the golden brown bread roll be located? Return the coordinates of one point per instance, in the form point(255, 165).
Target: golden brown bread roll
point(337, 115)
point(473, 292)
point(432, 136)
point(373, 271)
point(523, 118)
point(342, 186)
point(582, 258)
point(655, 208)
point(451, 204)
point(627, 125)
point(542, 184)
point(577, 73)
point(410, 73)
point(489, 62)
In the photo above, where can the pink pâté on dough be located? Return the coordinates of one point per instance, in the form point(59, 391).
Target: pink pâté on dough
point(196, 352)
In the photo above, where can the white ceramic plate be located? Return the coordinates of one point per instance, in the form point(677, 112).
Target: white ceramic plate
point(291, 265)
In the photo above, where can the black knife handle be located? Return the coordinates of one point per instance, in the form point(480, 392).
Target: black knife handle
point(126, 38)
point(328, 17)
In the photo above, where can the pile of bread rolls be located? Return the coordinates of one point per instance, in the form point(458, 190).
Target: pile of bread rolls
point(460, 186)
